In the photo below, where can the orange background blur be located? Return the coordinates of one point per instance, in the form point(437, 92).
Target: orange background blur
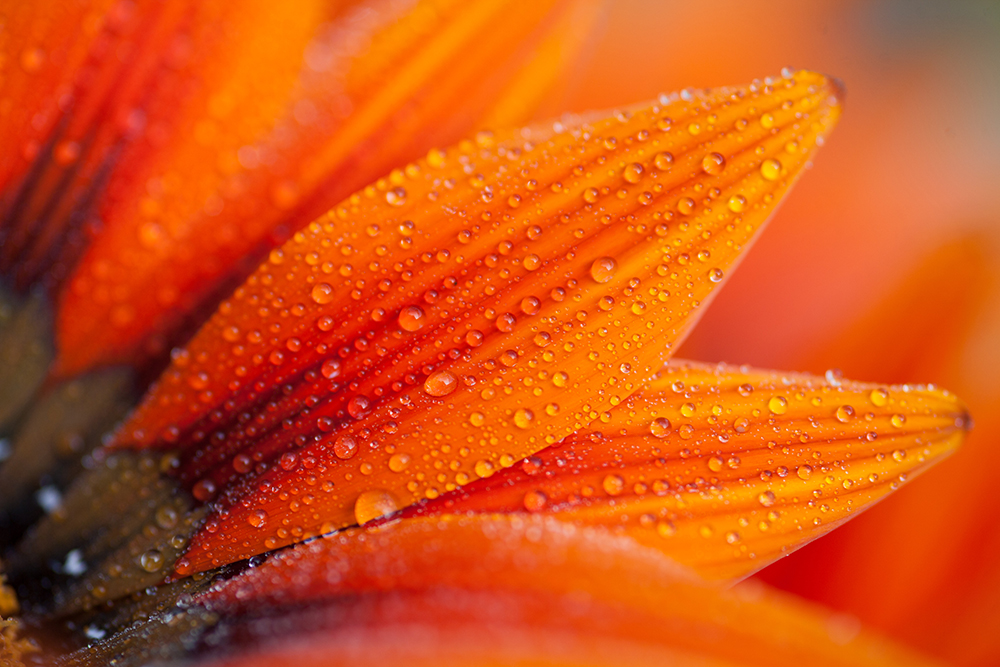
point(885, 263)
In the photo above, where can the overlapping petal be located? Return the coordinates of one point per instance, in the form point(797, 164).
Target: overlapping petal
point(467, 311)
point(490, 590)
point(727, 469)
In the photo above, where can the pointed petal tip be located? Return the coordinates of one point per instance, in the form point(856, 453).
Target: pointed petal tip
point(838, 89)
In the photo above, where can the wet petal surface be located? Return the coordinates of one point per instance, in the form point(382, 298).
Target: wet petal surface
point(467, 311)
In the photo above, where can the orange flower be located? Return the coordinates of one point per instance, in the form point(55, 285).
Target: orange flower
point(456, 375)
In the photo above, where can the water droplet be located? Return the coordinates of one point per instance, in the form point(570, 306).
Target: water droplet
point(505, 322)
point(737, 203)
point(530, 305)
point(899, 455)
point(778, 405)
point(524, 418)
point(663, 160)
point(373, 504)
point(560, 378)
point(152, 561)
point(484, 468)
point(767, 121)
point(686, 206)
point(660, 427)
point(440, 383)
point(330, 368)
point(715, 463)
point(613, 485)
point(766, 498)
point(322, 293)
point(257, 518)
point(203, 490)
point(345, 446)
point(845, 413)
point(591, 195)
point(898, 421)
point(716, 275)
point(396, 196)
point(804, 471)
point(879, 397)
point(535, 501)
point(411, 318)
point(399, 462)
point(714, 164)
point(603, 269)
point(770, 169)
point(632, 173)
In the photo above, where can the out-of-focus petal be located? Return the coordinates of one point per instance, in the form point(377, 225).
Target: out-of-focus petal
point(467, 311)
point(939, 321)
point(284, 109)
point(102, 85)
point(491, 590)
point(728, 469)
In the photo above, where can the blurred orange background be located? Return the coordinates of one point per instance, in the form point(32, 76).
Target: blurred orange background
point(884, 263)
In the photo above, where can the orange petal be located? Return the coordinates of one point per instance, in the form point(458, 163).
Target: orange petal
point(292, 108)
point(727, 469)
point(101, 86)
point(499, 591)
point(467, 311)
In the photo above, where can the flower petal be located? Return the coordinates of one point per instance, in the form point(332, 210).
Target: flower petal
point(726, 469)
point(467, 311)
point(492, 590)
point(296, 105)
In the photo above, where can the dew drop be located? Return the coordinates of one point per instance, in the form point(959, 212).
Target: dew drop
point(766, 498)
point(660, 427)
point(505, 322)
point(399, 462)
point(440, 383)
point(770, 169)
point(373, 504)
point(613, 485)
point(322, 293)
point(845, 413)
point(484, 468)
point(713, 164)
point(778, 405)
point(396, 196)
point(663, 160)
point(632, 173)
point(804, 471)
point(737, 203)
point(345, 446)
point(603, 269)
point(411, 318)
point(257, 518)
point(535, 501)
point(879, 397)
point(523, 418)
point(152, 561)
